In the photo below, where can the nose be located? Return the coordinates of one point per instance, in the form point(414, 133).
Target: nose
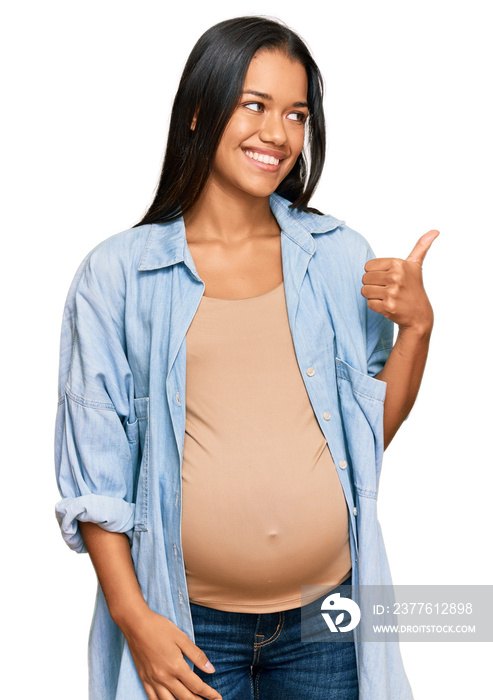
point(272, 130)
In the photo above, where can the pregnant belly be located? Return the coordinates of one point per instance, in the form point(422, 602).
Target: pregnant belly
point(252, 540)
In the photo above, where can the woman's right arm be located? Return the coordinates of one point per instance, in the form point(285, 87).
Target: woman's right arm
point(96, 473)
point(157, 645)
point(112, 561)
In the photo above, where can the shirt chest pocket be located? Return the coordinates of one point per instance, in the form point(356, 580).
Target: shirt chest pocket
point(362, 402)
point(138, 440)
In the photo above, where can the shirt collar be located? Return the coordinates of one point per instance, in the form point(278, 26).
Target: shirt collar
point(167, 245)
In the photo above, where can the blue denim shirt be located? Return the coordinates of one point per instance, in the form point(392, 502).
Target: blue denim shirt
point(120, 423)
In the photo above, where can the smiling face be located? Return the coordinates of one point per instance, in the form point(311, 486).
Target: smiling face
point(265, 134)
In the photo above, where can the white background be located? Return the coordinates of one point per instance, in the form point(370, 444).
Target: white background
point(89, 88)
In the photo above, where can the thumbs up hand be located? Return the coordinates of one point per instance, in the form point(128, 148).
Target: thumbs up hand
point(394, 287)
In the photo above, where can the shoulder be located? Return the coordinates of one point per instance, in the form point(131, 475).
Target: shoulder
point(112, 261)
point(334, 237)
point(354, 244)
point(119, 251)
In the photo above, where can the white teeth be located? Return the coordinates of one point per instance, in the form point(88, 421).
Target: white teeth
point(263, 158)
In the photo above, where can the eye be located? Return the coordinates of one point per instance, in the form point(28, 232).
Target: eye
point(253, 105)
point(297, 117)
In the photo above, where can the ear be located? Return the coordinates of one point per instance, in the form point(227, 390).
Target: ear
point(194, 121)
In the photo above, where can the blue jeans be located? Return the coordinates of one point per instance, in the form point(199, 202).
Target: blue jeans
point(262, 657)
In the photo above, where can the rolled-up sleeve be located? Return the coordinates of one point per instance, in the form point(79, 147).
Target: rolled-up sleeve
point(94, 468)
point(379, 336)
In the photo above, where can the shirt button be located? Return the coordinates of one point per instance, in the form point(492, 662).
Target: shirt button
point(342, 464)
point(355, 510)
point(310, 371)
point(326, 415)
point(178, 398)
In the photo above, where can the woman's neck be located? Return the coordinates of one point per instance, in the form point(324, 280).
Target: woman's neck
point(219, 216)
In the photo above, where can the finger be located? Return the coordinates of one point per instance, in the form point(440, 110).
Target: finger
point(373, 291)
point(190, 685)
point(377, 277)
point(378, 264)
point(375, 305)
point(422, 246)
point(182, 692)
point(195, 654)
point(152, 695)
point(195, 683)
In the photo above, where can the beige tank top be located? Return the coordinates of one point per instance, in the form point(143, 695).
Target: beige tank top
point(263, 510)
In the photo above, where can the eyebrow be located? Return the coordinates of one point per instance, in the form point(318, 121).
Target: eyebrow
point(265, 96)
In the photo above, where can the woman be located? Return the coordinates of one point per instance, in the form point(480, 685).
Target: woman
point(224, 369)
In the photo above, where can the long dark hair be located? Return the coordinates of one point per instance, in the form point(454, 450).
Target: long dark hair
point(211, 85)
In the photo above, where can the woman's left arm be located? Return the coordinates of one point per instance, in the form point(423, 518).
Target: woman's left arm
point(394, 288)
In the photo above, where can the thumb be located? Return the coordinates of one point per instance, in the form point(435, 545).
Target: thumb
point(422, 246)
